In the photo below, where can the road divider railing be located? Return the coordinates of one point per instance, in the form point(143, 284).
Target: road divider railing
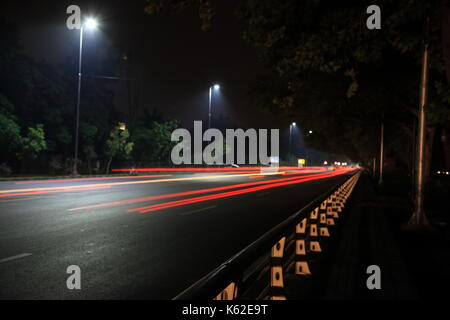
point(291, 249)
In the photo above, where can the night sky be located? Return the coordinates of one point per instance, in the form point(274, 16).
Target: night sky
point(172, 61)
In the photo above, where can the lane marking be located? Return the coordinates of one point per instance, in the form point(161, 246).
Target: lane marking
point(13, 200)
point(19, 256)
point(196, 211)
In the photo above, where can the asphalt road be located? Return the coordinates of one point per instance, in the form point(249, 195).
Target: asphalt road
point(46, 226)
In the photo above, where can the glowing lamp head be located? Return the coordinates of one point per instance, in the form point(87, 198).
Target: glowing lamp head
point(310, 131)
point(294, 124)
point(216, 87)
point(91, 23)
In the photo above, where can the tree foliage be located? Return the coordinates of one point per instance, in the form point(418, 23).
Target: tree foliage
point(118, 145)
point(33, 143)
point(327, 70)
point(153, 143)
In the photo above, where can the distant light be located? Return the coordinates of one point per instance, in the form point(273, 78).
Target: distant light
point(325, 162)
point(310, 131)
point(122, 126)
point(294, 124)
point(447, 172)
point(91, 23)
point(216, 87)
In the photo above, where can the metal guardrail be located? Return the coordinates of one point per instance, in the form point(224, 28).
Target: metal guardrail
point(257, 272)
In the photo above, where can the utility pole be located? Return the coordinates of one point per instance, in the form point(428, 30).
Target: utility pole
point(209, 108)
point(380, 181)
point(77, 117)
point(418, 217)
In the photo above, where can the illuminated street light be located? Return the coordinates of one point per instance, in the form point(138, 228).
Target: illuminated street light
point(293, 124)
point(90, 24)
point(215, 87)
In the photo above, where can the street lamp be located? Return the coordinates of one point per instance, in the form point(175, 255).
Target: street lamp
point(306, 149)
point(90, 23)
point(293, 124)
point(215, 87)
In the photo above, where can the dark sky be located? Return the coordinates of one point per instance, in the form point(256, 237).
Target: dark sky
point(173, 61)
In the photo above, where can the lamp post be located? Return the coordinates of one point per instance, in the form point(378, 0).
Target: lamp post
point(293, 124)
point(306, 149)
point(215, 87)
point(90, 24)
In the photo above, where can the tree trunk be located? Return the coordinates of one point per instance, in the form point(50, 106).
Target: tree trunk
point(89, 165)
point(108, 165)
point(428, 154)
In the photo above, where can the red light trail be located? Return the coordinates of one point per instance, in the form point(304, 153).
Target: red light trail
point(182, 202)
point(188, 193)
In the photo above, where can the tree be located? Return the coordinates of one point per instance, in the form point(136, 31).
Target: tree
point(118, 144)
point(38, 93)
point(325, 68)
point(10, 138)
point(153, 144)
point(32, 145)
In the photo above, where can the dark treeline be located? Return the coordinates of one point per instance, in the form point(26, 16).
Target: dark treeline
point(37, 117)
point(323, 67)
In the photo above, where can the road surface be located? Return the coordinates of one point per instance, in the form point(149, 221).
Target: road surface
point(139, 237)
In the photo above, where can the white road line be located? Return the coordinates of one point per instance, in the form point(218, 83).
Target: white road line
point(19, 256)
point(14, 200)
point(198, 210)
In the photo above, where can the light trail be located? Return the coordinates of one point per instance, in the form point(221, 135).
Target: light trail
point(185, 193)
point(126, 183)
point(227, 172)
point(177, 203)
point(216, 169)
point(51, 191)
point(93, 179)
